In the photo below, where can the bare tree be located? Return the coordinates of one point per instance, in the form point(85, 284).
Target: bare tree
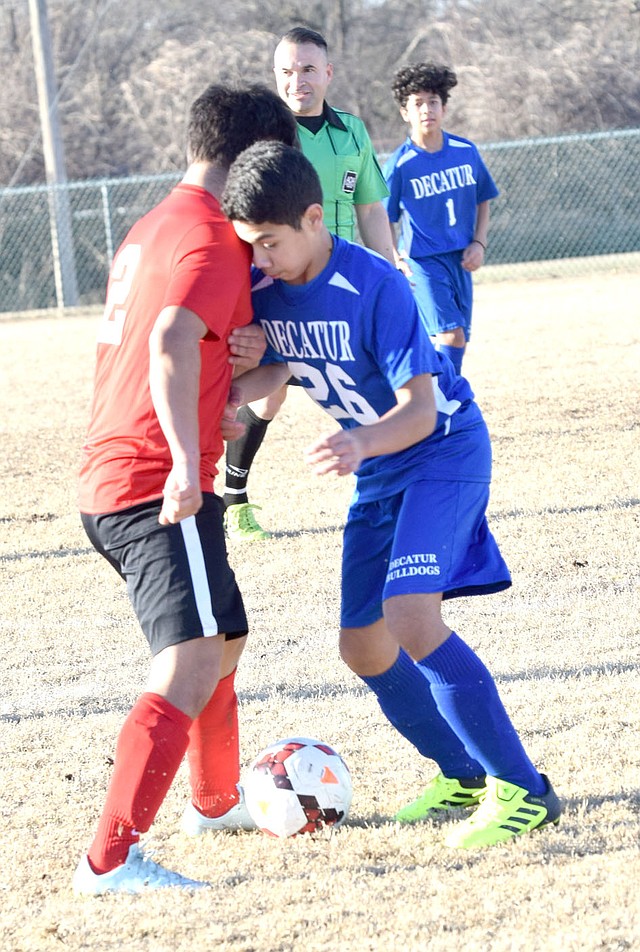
point(127, 73)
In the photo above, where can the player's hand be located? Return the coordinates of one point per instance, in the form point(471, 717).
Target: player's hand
point(473, 256)
point(230, 427)
point(339, 453)
point(247, 346)
point(181, 494)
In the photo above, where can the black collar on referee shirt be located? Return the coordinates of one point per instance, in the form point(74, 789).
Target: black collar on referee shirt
point(315, 123)
point(332, 117)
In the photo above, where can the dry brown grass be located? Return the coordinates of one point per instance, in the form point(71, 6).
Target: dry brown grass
point(555, 365)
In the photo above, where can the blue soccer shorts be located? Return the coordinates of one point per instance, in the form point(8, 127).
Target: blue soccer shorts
point(178, 577)
point(433, 537)
point(443, 292)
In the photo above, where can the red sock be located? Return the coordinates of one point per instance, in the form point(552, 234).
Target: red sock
point(150, 748)
point(214, 753)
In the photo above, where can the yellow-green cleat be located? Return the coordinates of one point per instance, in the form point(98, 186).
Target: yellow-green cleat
point(241, 524)
point(442, 794)
point(505, 811)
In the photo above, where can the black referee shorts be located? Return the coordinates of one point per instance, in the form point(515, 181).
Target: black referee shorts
point(178, 577)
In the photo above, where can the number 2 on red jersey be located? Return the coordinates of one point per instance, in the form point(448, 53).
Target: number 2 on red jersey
point(120, 282)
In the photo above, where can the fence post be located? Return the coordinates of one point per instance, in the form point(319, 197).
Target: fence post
point(106, 213)
point(64, 267)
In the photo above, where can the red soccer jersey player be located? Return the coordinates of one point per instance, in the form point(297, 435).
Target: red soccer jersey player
point(178, 288)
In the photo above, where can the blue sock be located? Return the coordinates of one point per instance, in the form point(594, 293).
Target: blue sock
point(455, 355)
point(467, 698)
point(405, 698)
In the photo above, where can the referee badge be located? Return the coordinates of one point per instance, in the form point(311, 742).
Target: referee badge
point(349, 180)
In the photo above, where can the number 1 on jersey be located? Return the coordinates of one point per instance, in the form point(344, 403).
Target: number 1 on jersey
point(452, 212)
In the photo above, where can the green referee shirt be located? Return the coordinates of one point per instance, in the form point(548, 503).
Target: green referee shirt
point(342, 155)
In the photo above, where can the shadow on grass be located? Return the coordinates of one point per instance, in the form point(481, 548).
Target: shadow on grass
point(568, 674)
point(47, 554)
point(497, 515)
point(318, 691)
point(306, 531)
point(93, 707)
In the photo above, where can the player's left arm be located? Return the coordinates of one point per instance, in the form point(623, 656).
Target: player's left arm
point(249, 386)
point(473, 254)
point(375, 229)
point(260, 382)
point(412, 419)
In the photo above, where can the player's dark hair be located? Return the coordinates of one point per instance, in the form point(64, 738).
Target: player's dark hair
point(423, 77)
point(271, 182)
point(225, 120)
point(300, 35)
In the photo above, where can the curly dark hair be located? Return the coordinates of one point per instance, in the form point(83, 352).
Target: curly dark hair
point(423, 77)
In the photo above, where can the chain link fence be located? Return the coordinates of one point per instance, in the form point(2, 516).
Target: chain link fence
point(567, 197)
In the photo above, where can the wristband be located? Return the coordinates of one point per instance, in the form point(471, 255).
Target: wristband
point(478, 242)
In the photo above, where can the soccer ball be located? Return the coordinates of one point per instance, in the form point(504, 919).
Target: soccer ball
point(297, 785)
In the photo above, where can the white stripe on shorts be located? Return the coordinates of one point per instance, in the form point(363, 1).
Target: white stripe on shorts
point(198, 572)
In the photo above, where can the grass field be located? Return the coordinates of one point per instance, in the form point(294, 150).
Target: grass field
point(556, 368)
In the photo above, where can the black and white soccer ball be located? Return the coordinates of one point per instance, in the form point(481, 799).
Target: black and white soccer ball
point(297, 785)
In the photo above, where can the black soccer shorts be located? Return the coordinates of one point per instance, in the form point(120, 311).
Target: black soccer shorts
point(178, 577)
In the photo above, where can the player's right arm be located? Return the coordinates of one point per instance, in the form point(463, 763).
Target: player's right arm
point(375, 229)
point(399, 259)
point(174, 382)
point(393, 208)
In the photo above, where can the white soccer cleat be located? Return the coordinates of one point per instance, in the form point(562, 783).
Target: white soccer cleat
point(236, 818)
point(138, 874)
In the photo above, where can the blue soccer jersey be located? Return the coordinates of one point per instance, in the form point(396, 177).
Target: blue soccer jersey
point(352, 336)
point(435, 195)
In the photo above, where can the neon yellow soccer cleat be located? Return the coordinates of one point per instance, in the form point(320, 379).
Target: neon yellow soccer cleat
point(505, 811)
point(241, 524)
point(440, 795)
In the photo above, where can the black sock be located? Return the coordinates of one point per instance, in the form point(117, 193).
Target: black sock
point(240, 456)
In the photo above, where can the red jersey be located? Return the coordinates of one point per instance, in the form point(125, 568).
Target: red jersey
point(184, 252)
